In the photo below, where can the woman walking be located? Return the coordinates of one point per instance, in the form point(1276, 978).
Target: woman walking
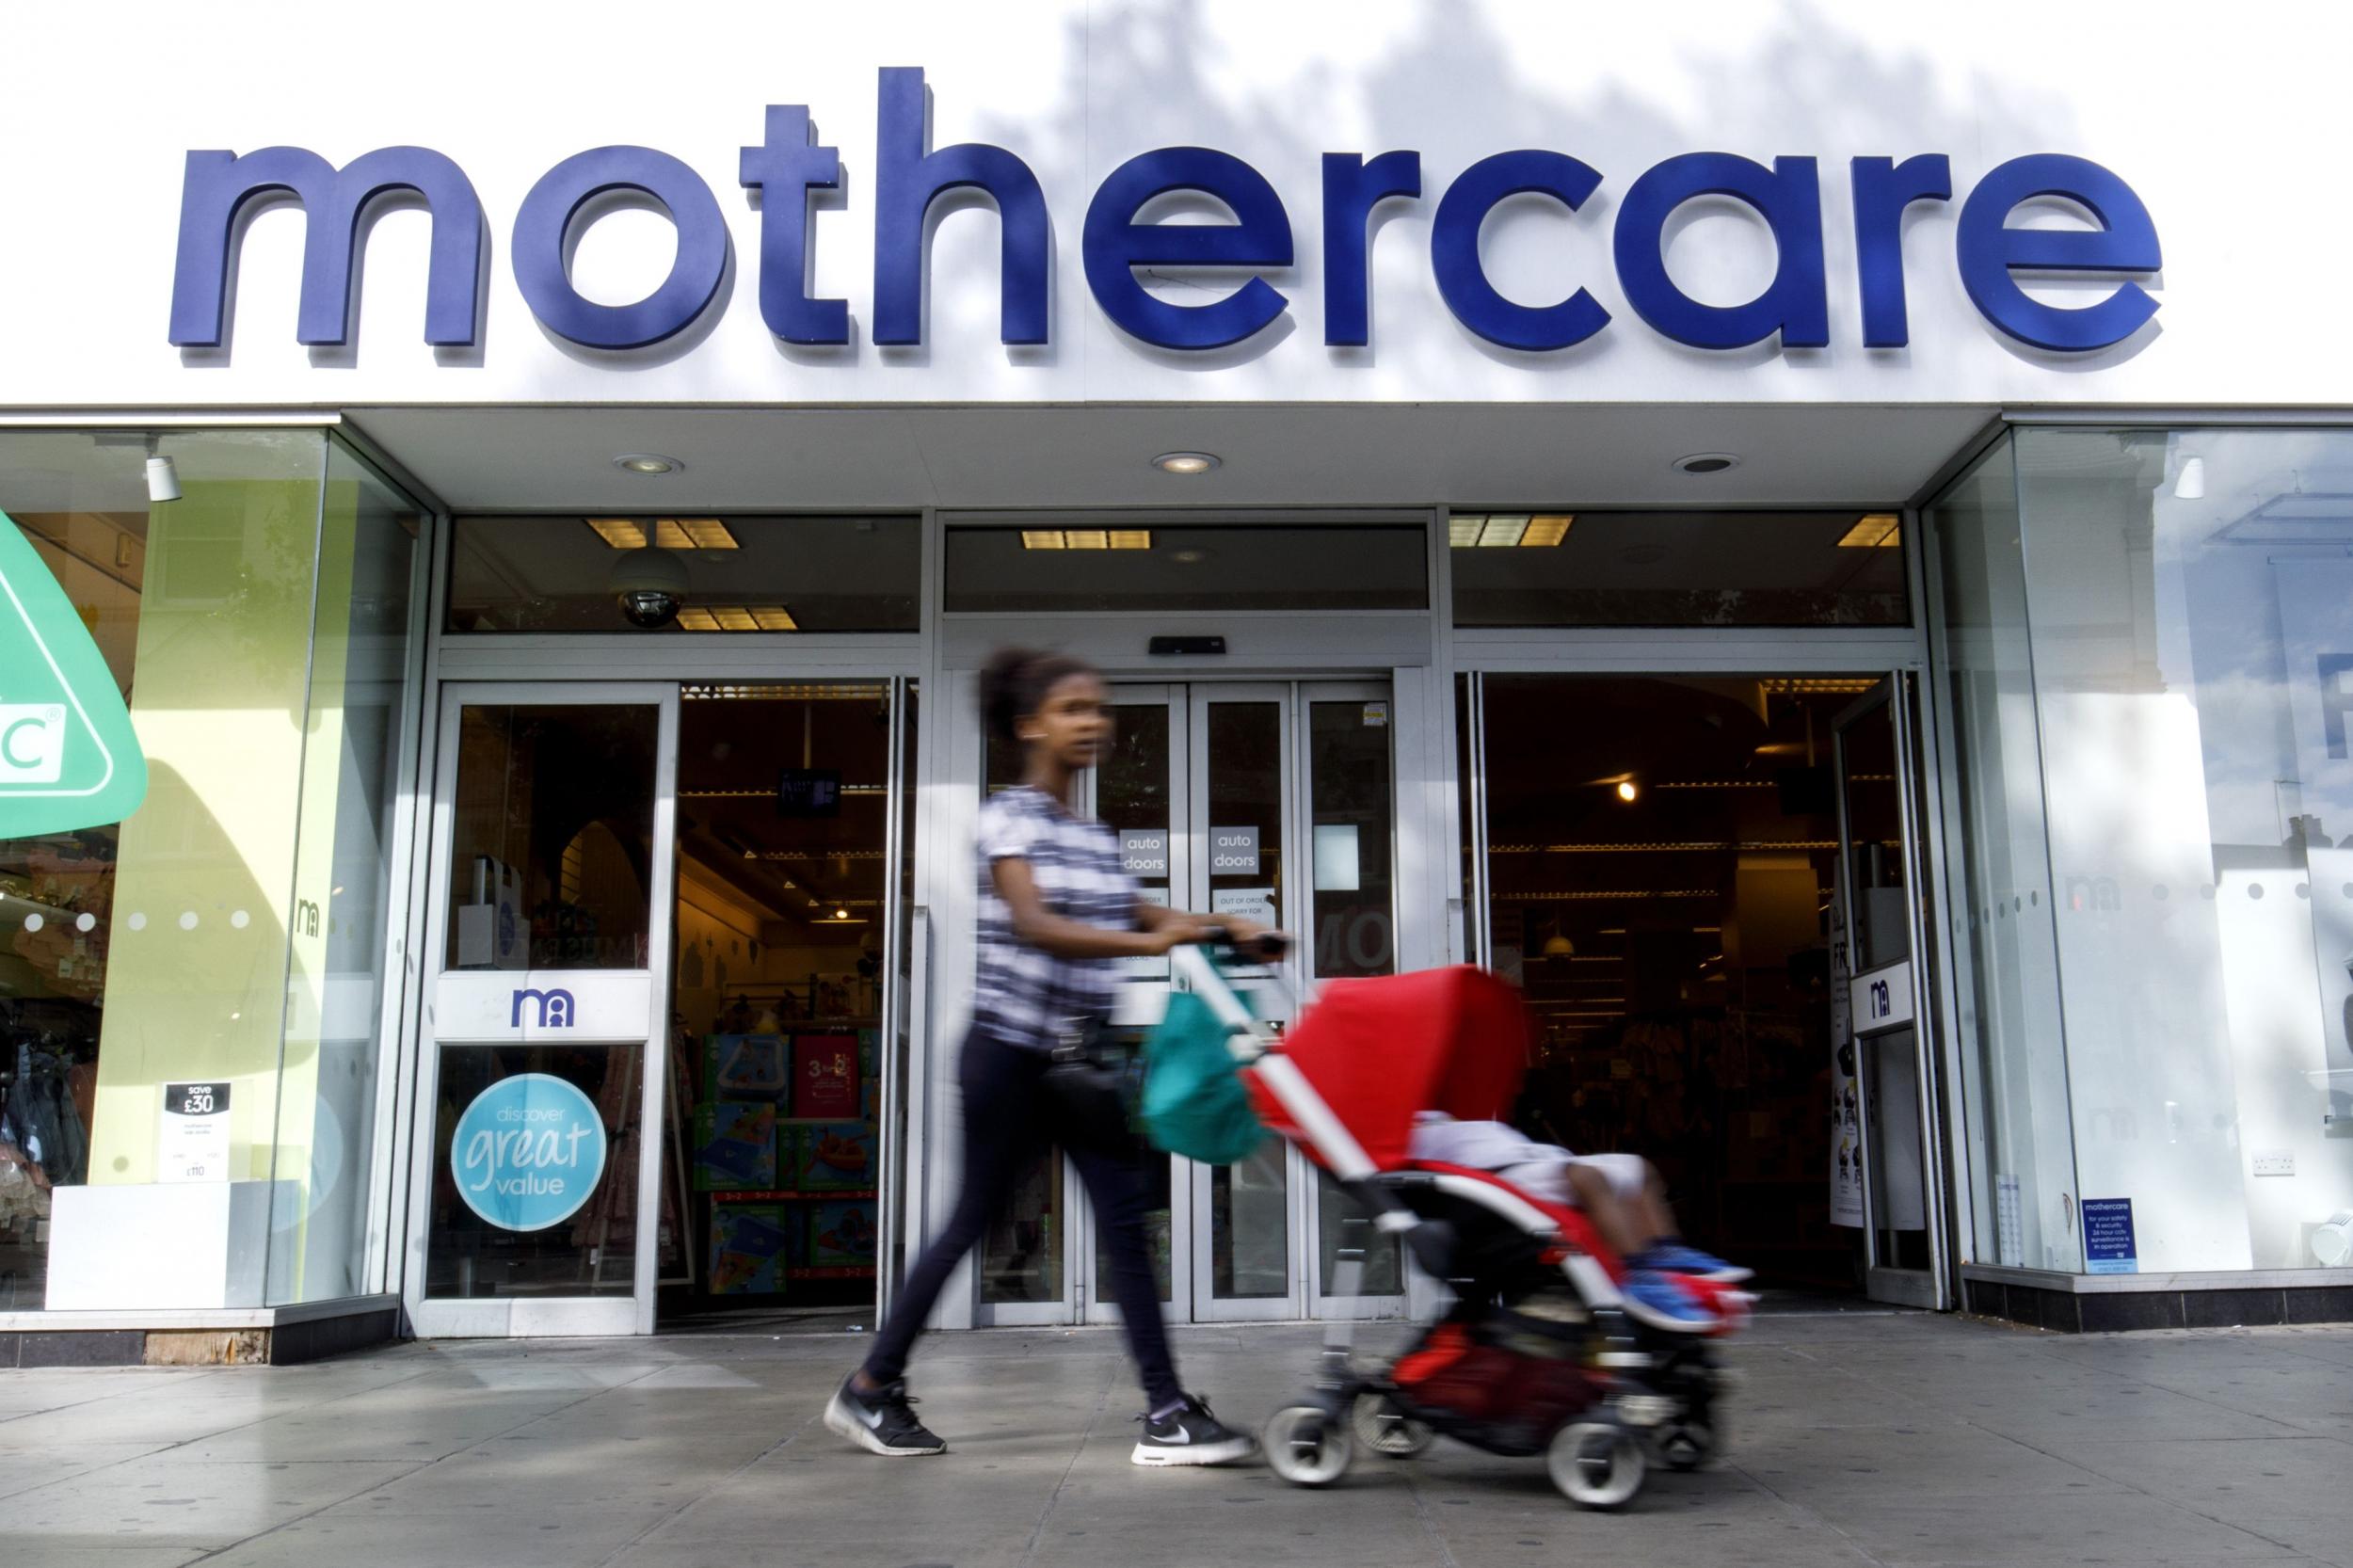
point(1057, 914)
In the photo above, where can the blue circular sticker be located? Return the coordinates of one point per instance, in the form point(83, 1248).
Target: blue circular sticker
point(528, 1152)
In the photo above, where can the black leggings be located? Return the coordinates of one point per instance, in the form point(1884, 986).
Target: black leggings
point(1006, 1123)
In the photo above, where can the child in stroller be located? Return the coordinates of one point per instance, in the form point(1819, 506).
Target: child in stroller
point(1621, 1193)
point(1545, 1350)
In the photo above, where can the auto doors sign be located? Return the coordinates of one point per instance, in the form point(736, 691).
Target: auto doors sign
point(68, 756)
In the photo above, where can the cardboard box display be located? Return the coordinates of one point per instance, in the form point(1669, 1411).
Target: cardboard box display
point(836, 1157)
point(842, 1233)
point(751, 1248)
point(735, 1146)
point(746, 1067)
point(826, 1077)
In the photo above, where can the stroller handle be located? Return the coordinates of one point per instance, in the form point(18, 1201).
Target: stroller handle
point(1250, 1036)
point(1266, 947)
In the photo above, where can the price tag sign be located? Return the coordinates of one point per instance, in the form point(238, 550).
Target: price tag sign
point(192, 1142)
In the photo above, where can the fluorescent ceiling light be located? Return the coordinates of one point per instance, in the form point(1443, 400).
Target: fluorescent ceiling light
point(1473, 530)
point(736, 618)
point(621, 533)
point(1879, 531)
point(1086, 538)
point(668, 533)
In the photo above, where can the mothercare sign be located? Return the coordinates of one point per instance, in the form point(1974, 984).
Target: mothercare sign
point(528, 1152)
point(68, 758)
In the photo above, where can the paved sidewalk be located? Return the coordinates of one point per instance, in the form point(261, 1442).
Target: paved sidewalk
point(1856, 1439)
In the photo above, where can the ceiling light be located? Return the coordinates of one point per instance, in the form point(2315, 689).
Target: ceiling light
point(2190, 485)
point(1086, 538)
point(1502, 531)
point(1547, 529)
point(1626, 791)
point(696, 619)
point(774, 617)
point(1879, 531)
point(693, 533)
point(1462, 531)
point(646, 462)
point(1185, 462)
point(1707, 462)
point(735, 617)
point(621, 533)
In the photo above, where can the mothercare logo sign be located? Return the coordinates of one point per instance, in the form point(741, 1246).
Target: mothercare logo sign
point(528, 1152)
point(68, 758)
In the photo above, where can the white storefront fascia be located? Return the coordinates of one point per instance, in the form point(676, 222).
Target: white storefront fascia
point(2221, 130)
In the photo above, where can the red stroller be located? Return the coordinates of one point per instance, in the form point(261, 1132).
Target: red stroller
point(1540, 1352)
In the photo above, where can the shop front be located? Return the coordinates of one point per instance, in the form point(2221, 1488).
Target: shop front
point(1847, 625)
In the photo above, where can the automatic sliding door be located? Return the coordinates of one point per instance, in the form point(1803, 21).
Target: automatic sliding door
point(1245, 864)
point(1347, 801)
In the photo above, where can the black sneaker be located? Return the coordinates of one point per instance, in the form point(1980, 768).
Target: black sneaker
point(1190, 1436)
point(881, 1422)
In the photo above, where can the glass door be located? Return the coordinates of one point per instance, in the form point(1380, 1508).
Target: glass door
point(543, 1050)
point(1348, 927)
point(1879, 899)
point(1139, 793)
point(1247, 1217)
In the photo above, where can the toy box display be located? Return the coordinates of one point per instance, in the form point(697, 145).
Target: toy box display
point(751, 1249)
point(836, 1157)
point(826, 1077)
point(735, 1146)
point(746, 1067)
point(842, 1234)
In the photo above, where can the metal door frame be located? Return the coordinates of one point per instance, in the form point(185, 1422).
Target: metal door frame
point(1923, 1288)
point(524, 1317)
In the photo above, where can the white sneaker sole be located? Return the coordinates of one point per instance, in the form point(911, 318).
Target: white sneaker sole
point(1163, 1456)
point(843, 1423)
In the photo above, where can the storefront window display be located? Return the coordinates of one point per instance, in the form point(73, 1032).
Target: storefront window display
point(252, 606)
point(2146, 638)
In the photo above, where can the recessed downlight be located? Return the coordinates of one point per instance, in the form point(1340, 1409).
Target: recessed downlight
point(647, 463)
point(1707, 462)
point(1186, 462)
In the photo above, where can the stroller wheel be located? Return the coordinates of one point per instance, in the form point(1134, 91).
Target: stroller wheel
point(1307, 1447)
point(1387, 1431)
point(1596, 1464)
point(1686, 1445)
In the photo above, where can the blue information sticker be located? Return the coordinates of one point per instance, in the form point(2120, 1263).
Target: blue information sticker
point(2108, 1244)
point(528, 1152)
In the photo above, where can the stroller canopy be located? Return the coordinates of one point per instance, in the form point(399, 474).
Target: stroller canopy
point(1378, 1050)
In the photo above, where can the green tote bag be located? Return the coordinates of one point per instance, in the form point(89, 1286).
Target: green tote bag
point(1194, 1101)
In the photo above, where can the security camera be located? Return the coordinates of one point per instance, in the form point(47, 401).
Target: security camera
point(649, 585)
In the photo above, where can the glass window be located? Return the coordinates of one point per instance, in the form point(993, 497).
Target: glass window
point(344, 897)
point(234, 924)
point(2014, 1069)
point(1678, 568)
point(2190, 604)
point(1241, 566)
point(724, 575)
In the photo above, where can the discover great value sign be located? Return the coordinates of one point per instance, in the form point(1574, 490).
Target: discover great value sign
point(68, 756)
point(528, 1152)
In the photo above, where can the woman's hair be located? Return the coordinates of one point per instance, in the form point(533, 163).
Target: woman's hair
point(1015, 681)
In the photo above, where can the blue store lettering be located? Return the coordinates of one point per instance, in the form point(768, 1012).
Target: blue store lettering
point(789, 169)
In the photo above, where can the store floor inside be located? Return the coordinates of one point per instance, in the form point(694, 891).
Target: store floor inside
point(1662, 856)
